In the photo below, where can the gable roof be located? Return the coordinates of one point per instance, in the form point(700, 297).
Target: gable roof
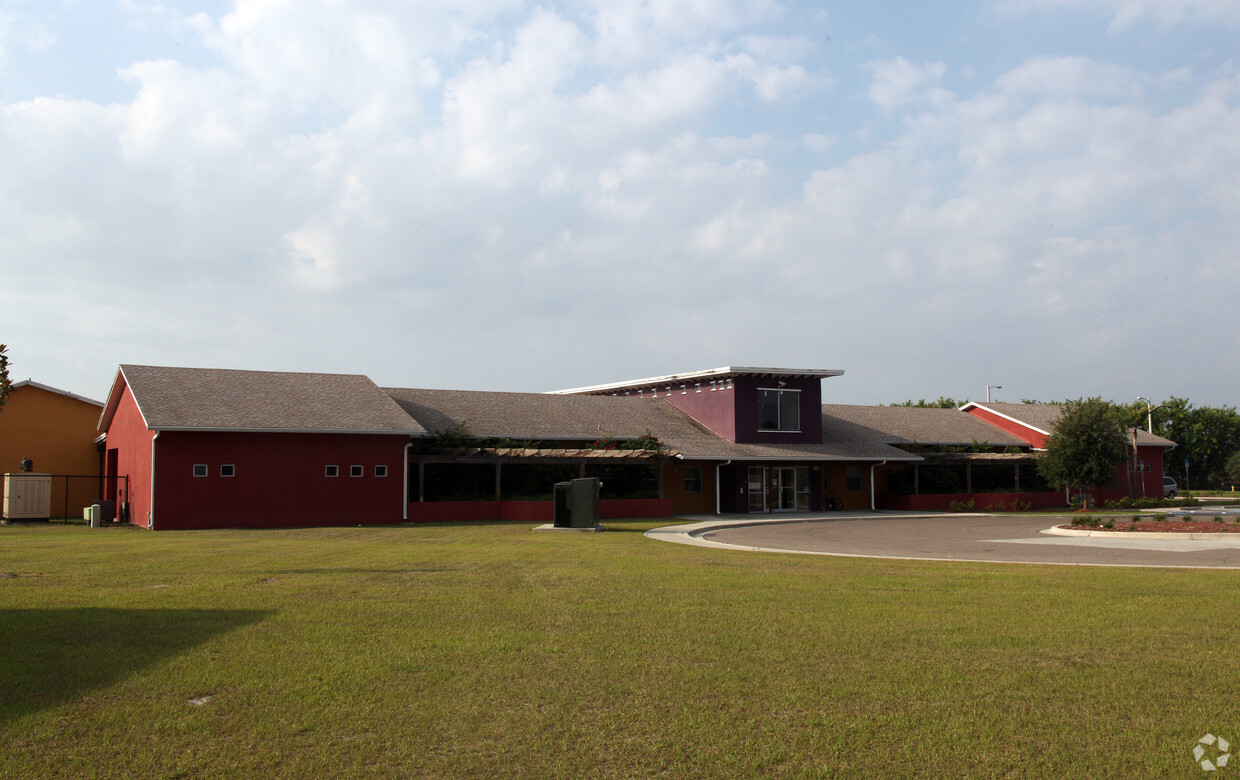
point(1041, 418)
point(589, 417)
point(209, 399)
point(50, 389)
point(916, 425)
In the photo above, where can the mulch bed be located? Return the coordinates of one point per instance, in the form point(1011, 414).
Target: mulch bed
point(1168, 526)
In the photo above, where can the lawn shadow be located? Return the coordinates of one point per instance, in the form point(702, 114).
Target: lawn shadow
point(51, 656)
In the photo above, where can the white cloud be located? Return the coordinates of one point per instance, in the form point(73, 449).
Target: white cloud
point(897, 82)
point(1063, 76)
point(530, 182)
point(1125, 13)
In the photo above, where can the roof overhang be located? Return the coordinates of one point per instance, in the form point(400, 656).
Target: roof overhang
point(710, 374)
point(286, 430)
point(800, 459)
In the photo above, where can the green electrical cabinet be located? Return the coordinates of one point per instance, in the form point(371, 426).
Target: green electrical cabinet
point(576, 503)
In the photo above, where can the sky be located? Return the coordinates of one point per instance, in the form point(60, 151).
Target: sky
point(1042, 195)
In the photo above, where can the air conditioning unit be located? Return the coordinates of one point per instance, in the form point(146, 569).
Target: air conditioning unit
point(27, 496)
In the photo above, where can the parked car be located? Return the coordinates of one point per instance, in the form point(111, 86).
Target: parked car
point(1169, 487)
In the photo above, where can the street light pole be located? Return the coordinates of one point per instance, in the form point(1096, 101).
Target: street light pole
point(988, 388)
point(1149, 412)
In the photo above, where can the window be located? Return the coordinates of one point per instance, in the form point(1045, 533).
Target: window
point(693, 479)
point(854, 477)
point(381, 471)
point(356, 471)
point(779, 410)
point(331, 471)
point(200, 469)
point(228, 470)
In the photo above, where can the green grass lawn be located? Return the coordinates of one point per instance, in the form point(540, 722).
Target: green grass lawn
point(490, 651)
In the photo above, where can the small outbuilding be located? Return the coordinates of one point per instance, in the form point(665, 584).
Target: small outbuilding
point(207, 448)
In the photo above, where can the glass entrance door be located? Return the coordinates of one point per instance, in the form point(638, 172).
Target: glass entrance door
point(779, 488)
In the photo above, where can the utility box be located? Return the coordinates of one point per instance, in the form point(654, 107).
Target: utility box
point(576, 503)
point(27, 496)
point(107, 510)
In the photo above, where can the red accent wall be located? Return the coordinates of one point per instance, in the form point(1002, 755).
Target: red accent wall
point(540, 512)
point(1037, 440)
point(127, 434)
point(716, 409)
point(942, 502)
point(279, 480)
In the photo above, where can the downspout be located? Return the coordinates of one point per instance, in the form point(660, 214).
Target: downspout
point(150, 513)
point(718, 486)
point(873, 506)
point(404, 496)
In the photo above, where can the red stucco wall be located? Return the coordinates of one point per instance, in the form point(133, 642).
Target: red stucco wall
point(128, 435)
point(279, 480)
point(539, 512)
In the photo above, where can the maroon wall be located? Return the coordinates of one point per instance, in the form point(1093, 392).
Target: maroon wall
point(279, 481)
point(716, 409)
point(746, 405)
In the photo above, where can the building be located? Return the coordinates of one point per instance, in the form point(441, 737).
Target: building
point(205, 448)
point(214, 448)
point(55, 430)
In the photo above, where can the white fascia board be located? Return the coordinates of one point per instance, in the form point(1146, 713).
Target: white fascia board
point(1021, 423)
point(119, 383)
point(693, 376)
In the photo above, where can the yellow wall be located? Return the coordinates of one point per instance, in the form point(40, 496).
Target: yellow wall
point(57, 432)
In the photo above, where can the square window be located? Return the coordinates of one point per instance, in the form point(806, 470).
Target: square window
point(228, 470)
point(693, 479)
point(356, 471)
point(331, 471)
point(380, 471)
point(779, 410)
point(200, 469)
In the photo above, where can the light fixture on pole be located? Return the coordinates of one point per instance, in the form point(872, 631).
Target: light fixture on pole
point(988, 389)
point(1149, 412)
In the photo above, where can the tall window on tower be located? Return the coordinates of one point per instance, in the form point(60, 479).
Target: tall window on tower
point(779, 410)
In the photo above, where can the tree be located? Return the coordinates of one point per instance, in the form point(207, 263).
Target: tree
point(941, 403)
point(1204, 436)
point(1087, 444)
point(5, 384)
point(1233, 467)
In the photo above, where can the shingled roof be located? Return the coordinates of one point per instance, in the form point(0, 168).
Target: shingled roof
point(209, 399)
point(914, 425)
point(589, 417)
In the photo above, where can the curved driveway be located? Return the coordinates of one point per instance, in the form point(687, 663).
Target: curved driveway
point(981, 538)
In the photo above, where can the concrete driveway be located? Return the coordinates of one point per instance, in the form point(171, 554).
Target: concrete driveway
point(980, 538)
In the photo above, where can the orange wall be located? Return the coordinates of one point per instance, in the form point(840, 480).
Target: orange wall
point(57, 432)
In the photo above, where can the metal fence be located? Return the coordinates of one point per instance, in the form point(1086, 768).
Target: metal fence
point(71, 493)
